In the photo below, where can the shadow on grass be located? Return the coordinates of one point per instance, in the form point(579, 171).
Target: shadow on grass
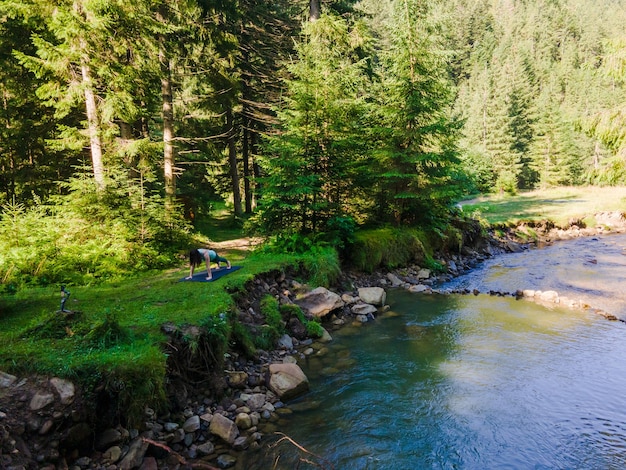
point(525, 207)
point(220, 225)
point(14, 310)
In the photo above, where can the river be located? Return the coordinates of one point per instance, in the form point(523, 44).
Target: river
point(474, 382)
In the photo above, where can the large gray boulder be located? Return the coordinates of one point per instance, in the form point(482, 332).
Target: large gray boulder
point(319, 302)
point(287, 380)
point(373, 295)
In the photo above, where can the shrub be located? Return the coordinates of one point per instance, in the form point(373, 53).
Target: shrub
point(218, 330)
point(386, 247)
point(242, 337)
point(86, 236)
point(274, 327)
point(322, 266)
point(313, 327)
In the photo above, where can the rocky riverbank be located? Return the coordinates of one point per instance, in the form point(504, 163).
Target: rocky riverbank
point(45, 422)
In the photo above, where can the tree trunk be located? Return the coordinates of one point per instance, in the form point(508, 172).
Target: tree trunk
point(596, 156)
point(256, 169)
point(94, 129)
point(169, 154)
point(232, 161)
point(7, 166)
point(245, 154)
point(315, 10)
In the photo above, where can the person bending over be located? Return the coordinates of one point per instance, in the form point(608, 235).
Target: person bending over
point(202, 254)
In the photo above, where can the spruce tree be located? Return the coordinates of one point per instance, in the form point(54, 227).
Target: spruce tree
point(313, 160)
point(418, 161)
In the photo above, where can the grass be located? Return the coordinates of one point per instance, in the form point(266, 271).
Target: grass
point(115, 333)
point(222, 225)
point(557, 204)
point(142, 305)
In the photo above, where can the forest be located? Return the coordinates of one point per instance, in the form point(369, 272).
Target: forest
point(123, 123)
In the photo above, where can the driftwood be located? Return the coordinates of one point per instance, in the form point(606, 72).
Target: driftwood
point(180, 458)
point(325, 464)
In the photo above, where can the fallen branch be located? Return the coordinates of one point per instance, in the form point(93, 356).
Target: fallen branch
point(180, 458)
point(326, 463)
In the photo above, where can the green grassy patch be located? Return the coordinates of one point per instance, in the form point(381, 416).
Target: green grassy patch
point(556, 204)
point(221, 225)
point(115, 332)
point(386, 247)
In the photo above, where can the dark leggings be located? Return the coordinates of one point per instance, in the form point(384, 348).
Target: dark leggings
point(219, 259)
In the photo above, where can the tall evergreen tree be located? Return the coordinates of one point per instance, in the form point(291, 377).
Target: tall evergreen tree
point(64, 58)
point(418, 164)
point(609, 124)
point(311, 170)
point(27, 166)
point(522, 48)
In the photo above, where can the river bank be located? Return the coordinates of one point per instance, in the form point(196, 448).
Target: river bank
point(42, 418)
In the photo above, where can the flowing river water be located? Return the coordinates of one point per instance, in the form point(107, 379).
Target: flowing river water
point(475, 382)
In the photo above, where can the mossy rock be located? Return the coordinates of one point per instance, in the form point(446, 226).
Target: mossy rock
point(389, 248)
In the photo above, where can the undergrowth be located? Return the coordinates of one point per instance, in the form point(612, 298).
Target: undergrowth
point(313, 327)
point(386, 247)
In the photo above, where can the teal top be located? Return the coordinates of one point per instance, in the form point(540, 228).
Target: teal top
point(204, 252)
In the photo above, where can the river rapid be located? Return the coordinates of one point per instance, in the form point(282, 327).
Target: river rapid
point(475, 382)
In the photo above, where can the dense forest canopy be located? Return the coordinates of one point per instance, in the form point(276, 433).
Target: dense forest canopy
point(308, 117)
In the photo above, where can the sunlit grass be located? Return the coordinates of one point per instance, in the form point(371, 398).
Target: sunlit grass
point(557, 204)
point(115, 334)
point(142, 304)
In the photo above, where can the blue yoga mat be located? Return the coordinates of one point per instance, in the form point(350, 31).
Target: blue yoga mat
point(216, 273)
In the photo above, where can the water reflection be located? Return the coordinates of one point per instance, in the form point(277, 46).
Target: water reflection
point(592, 269)
point(464, 382)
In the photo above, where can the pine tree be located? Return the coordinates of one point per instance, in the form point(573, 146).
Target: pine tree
point(63, 59)
point(27, 167)
point(310, 174)
point(418, 162)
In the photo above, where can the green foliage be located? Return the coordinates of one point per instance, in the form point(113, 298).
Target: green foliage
point(243, 337)
point(539, 89)
point(274, 327)
point(107, 334)
point(88, 236)
point(387, 247)
point(137, 383)
point(292, 243)
point(434, 265)
point(318, 259)
point(340, 231)
point(270, 310)
point(218, 330)
point(611, 173)
point(313, 168)
point(313, 327)
point(416, 163)
point(322, 266)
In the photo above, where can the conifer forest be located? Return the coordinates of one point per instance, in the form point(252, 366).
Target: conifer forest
point(121, 122)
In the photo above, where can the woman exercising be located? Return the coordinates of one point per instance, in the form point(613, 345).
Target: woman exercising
point(195, 259)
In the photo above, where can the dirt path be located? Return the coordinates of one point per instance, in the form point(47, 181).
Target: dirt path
point(240, 244)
